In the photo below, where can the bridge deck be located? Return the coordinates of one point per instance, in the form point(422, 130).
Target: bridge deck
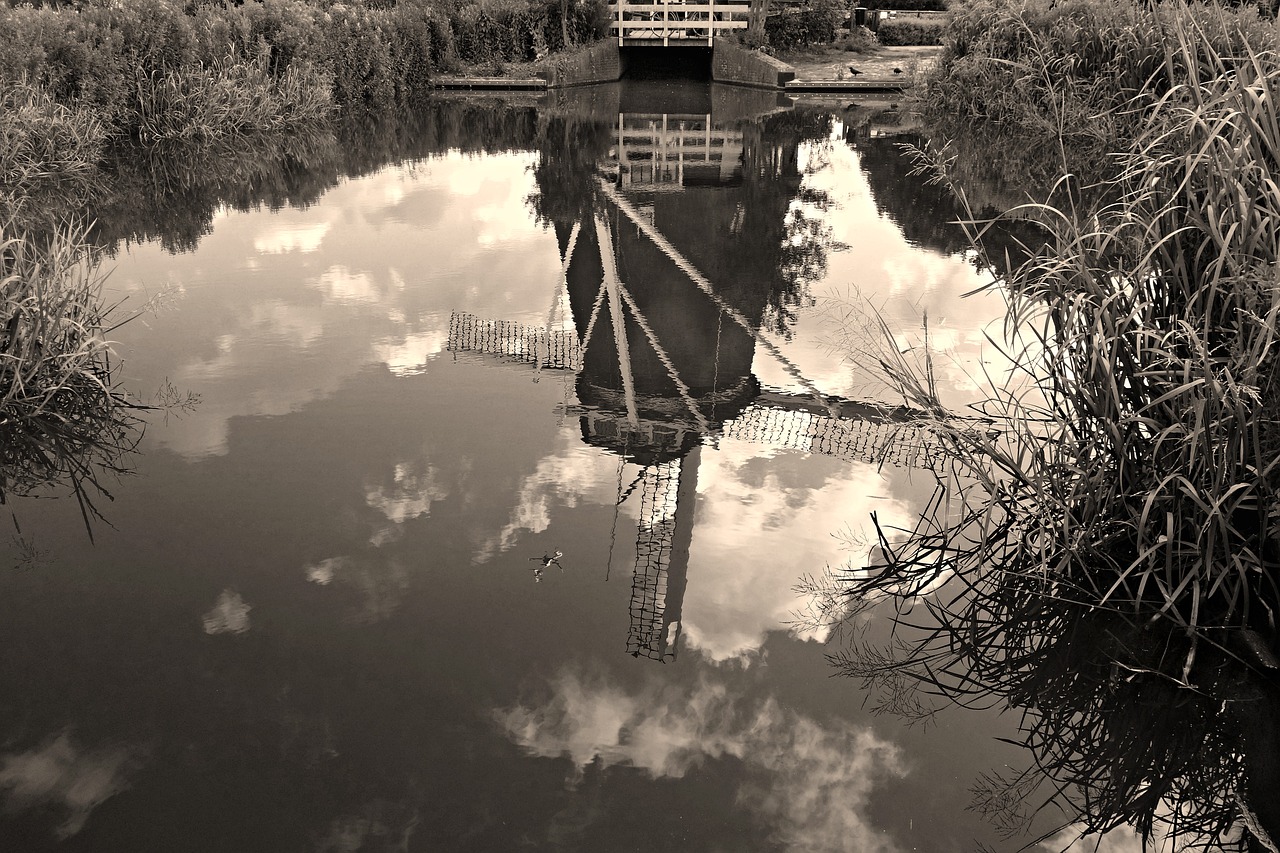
point(675, 23)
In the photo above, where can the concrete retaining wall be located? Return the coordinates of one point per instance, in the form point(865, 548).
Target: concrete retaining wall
point(597, 63)
point(733, 64)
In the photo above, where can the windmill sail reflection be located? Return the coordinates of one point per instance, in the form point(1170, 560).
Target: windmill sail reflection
point(663, 356)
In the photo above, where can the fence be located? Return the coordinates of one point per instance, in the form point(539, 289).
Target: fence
point(682, 23)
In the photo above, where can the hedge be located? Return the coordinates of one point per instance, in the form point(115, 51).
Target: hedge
point(911, 31)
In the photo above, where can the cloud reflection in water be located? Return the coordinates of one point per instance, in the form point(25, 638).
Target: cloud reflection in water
point(58, 774)
point(810, 782)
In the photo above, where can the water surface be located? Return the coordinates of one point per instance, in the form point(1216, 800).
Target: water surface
point(422, 572)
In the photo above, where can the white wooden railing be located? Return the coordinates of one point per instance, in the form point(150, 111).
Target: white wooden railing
point(675, 21)
point(654, 151)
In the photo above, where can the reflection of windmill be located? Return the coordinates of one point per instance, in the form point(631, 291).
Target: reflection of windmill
point(653, 398)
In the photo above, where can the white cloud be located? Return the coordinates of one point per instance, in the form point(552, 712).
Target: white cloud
point(414, 487)
point(378, 582)
point(343, 285)
point(568, 476)
point(1122, 840)
point(291, 237)
point(808, 782)
point(745, 583)
point(409, 355)
point(229, 615)
point(59, 774)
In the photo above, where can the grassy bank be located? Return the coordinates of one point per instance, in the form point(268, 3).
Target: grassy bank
point(1061, 86)
point(76, 78)
point(1111, 526)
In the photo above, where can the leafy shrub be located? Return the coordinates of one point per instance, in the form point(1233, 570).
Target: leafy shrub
point(858, 39)
point(291, 29)
point(412, 47)
point(491, 32)
point(358, 56)
point(905, 5)
point(814, 23)
point(581, 21)
point(911, 31)
point(76, 58)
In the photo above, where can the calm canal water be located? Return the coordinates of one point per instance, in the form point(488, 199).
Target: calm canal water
point(401, 582)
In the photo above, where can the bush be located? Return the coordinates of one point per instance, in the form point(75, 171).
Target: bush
point(585, 21)
point(911, 31)
point(906, 5)
point(812, 24)
point(358, 56)
point(146, 67)
point(858, 39)
point(494, 32)
point(291, 30)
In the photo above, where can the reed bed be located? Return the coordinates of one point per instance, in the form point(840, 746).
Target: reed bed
point(1113, 541)
point(64, 422)
point(43, 143)
point(1061, 85)
point(230, 98)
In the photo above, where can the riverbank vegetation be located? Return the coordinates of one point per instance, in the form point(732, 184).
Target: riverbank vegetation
point(1074, 78)
point(76, 79)
point(1108, 519)
point(64, 420)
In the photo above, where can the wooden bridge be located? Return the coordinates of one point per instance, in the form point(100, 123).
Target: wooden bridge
point(671, 152)
point(675, 23)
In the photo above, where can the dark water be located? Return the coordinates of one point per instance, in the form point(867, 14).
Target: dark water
point(328, 613)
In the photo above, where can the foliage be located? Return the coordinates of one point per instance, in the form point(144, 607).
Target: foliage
point(496, 31)
point(1109, 526)
point(1072, 76)
point(228, 99)
point(63, 419)
point(206, 69)
point(43, 142)
point(812, 23)
point(906, 5)
point(911, 31)
point(857, 40)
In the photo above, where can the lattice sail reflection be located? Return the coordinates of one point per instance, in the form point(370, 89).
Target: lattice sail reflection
point(663, 365)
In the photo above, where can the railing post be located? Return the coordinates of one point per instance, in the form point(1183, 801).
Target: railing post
point(711, 22)
point(666, 22)
point(617, 10)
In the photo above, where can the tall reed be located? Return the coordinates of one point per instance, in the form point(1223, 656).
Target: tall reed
point(230, 99)
point(43, 142)
point(1113, 540)
point(64, 421)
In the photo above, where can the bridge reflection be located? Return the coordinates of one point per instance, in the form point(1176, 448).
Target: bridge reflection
point(663, 151)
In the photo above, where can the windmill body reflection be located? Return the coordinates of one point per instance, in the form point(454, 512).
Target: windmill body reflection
point(665, 322)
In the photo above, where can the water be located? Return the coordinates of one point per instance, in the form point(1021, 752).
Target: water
point(390, 588)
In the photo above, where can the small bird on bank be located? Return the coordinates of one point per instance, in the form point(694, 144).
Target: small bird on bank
point(855, 72)
point(897, 71)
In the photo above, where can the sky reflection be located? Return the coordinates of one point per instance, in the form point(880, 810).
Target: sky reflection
point(69, 779)
point(807, 782)
point(320, 589)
